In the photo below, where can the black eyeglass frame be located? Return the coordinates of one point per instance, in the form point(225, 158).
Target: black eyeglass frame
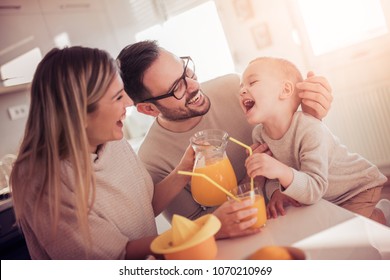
point(183, 77)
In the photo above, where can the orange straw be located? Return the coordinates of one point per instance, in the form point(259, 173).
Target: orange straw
point(250, 153)
point(211, 181)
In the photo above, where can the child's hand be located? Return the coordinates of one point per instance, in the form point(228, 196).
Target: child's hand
point(262, 164)
point(260, 148)
point(277, 203)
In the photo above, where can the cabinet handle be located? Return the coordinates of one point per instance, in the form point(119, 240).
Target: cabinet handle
point(75, 6)
point(10, 7)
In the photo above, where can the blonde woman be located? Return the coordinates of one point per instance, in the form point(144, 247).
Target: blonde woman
point(79, 190)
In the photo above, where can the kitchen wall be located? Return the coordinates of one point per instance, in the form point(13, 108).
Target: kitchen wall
point(259, 28)
point(11, 131)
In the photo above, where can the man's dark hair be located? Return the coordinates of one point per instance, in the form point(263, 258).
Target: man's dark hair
point(133, 61)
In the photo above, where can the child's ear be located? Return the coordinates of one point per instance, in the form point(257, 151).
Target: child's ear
point(148, 109)
point(287, 90)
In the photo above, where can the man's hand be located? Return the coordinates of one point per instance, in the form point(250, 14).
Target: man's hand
point(316, 95)
point(187, 161)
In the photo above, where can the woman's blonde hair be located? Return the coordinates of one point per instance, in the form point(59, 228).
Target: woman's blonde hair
point(67, 85)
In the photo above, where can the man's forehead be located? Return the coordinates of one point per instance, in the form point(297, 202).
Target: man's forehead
point(168, 56)
point(163, 72)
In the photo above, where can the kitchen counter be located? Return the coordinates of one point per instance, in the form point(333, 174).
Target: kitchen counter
point(324, 231)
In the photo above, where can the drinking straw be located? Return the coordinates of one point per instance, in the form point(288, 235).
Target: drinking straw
point(250, 153)
point(211, 181)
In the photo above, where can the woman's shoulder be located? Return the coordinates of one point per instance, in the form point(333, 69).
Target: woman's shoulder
point(119, 146)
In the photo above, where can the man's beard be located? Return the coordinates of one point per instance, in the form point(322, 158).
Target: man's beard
point(180, 114)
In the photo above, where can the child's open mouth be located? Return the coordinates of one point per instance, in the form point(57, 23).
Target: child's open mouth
point(248, 104)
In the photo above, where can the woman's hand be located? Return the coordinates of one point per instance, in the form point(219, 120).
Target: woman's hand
point(231, 215)
point(316, 95)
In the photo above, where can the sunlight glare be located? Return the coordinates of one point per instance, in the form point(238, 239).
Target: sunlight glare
point(334, 24)
point(204, 40)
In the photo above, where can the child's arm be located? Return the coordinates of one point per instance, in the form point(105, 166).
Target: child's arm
point(307, 182)
point(262, 164)
point(267, 166)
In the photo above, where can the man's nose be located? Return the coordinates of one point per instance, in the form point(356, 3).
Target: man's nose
point(191, 84)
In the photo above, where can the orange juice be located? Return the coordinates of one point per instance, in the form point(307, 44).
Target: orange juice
point(206, 193)
point(261, 212)
point(243, 192)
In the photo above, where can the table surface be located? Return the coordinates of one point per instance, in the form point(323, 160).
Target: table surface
point(324, 231)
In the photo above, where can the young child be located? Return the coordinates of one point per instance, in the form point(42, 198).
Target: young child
point(308, 162)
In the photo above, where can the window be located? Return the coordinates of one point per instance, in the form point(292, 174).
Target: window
point(198, 33)
point(329, 29)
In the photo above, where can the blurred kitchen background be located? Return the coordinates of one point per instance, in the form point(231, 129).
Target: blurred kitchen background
point(347, 41)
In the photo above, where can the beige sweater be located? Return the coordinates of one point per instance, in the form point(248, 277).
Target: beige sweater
point(323, 168)
point(122, 210)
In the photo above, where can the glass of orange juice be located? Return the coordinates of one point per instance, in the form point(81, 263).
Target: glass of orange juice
point(243, 192)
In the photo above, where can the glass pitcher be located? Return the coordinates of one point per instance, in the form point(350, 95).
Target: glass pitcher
point(5, 171)
point(211, 159)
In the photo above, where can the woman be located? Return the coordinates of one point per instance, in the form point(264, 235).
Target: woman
point(79, 190)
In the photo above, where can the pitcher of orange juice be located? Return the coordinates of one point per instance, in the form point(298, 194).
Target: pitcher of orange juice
point(211, 159)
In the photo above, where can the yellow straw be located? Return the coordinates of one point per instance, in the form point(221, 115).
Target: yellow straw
point(250, 153)
point(211, 181)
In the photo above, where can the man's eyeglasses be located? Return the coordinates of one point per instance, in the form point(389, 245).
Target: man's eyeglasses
point(179, 88)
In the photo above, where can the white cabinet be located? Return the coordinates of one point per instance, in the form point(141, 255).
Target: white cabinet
point(21, 28)
point(14, 7)
point(82, 22)
point(89, 29)
point(21, 33)
point(43, 24)
point(70, 6)
point(84, 29)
